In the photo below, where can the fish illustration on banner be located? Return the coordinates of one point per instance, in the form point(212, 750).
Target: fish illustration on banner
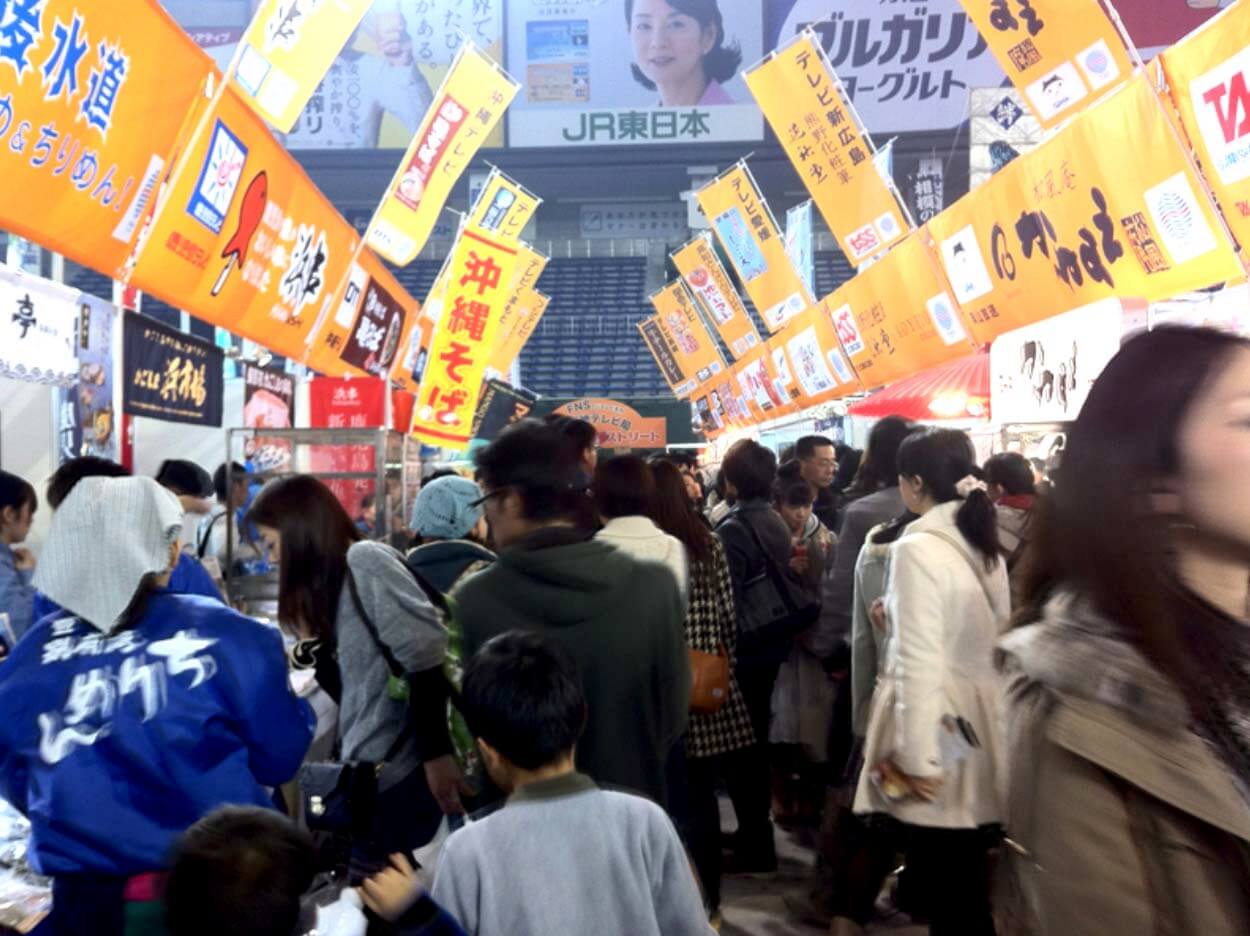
point(250, 214)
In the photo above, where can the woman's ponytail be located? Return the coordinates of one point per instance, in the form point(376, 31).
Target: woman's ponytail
point(945, 460)
point(978, 522)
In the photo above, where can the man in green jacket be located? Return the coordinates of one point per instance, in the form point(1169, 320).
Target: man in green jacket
point(620, 619)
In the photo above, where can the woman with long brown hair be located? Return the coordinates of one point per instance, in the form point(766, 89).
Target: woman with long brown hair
point(349, 602)
point(715, 742)
point(1128, 708)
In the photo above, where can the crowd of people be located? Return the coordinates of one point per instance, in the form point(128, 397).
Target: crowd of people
point(1033, 701)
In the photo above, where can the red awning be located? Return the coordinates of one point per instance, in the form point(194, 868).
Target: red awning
point(957, 390)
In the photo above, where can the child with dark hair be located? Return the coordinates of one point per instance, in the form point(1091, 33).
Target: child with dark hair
point(246, 871)
point(563, 856)
point(17, 596)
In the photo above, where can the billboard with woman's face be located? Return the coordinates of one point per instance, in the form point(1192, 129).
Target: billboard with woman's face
point(632, 71)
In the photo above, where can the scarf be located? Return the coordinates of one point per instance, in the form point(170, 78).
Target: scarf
point(1220, 646)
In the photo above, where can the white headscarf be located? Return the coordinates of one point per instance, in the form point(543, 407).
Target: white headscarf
point(106, 536)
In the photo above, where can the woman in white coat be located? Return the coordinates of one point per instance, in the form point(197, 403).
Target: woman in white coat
point(624, 494)
point(933, 744)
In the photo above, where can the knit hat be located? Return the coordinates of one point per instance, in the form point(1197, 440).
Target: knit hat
point(445, 508)
point(106, 536)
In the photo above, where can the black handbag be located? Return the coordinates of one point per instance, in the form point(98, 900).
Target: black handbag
point(775, 608)
point(342, 797)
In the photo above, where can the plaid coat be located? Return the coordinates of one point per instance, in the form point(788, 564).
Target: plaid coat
point(711, 624)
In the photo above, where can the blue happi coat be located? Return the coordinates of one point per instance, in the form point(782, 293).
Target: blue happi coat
point(115, 745)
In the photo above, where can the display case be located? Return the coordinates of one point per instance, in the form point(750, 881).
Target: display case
point(358, 465)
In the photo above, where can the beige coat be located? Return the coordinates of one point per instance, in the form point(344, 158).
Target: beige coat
point(944, 610)
point(1131, 822)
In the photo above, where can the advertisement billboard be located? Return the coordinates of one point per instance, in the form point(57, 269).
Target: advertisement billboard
point(632, 71)
point(378, 89)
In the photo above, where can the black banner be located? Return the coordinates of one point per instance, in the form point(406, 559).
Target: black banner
point(170, 375)
point(501, 405)
point(374, 341)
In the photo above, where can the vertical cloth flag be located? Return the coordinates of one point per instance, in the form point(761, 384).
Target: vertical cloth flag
point(504, 207)
point(679, 341)
point(1062, 55)
point(287, 50)
point(723, 308)
point(811, 113)
point(748, 232)
point(468, 105)
point(1208, 74)
point(39, 325)
point(452, 383)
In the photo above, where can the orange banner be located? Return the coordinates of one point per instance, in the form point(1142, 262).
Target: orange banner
point(363, 330)
point(1208, 73)
point(760, 388)
point(809, 110)
point(525, 306)
point(1112, 206)
point(816, 358)
point(92, 99)
point(468, 105)
point(242, 238)
point(287, 50)
point(898, 317)
point(1060, 54)
point(452, 381)
point(684, 350)
point(748, 233)
point(722, 307)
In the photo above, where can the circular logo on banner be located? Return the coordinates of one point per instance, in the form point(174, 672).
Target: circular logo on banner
point(1098, 62)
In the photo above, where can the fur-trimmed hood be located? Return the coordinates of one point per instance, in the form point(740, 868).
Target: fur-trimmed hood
point(1074, 651)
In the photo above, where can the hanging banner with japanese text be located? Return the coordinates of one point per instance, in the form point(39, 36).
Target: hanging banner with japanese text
point(618, 425)
point(722, 307)
point(39, 329)
point(466, 108)
point(809, 112)
point(501, 405)
point(504, 207)
point(1061, 55)
point(346, 403)
point(242, 238)
point(1075, 221)
point(758, 384)
point(816, 357)
point(86, 416)
point(524, 307)
point(92, 98)
point(1208, 73)
point(452, 383)
point(170, 375)
point(287, 50)
point(897, 317)
point(747, 231)
point(521, 315)
point(378, 90)
point(363, 330)
point(268, 398)
point(679, 341)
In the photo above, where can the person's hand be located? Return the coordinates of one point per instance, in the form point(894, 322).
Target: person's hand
point(446, 783)
point(876, 614)
point(23, 559)
point(925, 788)
point(799, 564)
point(392, 892)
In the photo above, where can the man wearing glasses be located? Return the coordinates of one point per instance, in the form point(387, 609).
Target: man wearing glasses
point(818, 463)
